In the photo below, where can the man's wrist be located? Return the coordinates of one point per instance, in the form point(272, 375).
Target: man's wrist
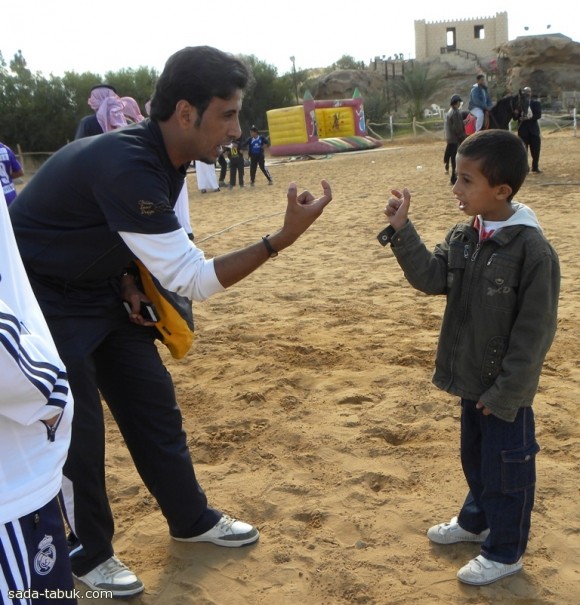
point(279, 241)
point(272, 252)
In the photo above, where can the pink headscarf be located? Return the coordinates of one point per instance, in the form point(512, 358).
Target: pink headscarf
point(110, 114)
point(98, 95)
point(131, 109)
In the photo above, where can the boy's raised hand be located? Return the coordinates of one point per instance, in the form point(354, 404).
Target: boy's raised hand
point(397, 208)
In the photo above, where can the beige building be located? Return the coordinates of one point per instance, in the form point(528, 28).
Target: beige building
point(479, 36)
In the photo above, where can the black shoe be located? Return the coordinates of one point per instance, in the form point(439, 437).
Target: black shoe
point(537, 171)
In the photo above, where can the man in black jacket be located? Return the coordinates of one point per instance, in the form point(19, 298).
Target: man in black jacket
point(529, 130)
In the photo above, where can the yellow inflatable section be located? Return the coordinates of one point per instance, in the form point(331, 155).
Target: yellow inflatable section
point(319, 127)
point(335, 122)
point(287, 126)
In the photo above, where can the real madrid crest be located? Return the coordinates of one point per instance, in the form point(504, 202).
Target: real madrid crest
point(45, 557)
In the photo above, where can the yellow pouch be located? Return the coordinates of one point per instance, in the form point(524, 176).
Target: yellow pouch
point(175, 325)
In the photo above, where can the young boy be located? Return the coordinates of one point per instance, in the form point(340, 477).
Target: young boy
point(501, 278)
point(36, 410)
point(454, 135)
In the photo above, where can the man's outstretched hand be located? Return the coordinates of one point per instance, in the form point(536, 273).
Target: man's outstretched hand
point(302, 210)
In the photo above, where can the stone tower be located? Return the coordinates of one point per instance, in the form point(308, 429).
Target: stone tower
point(479, 36)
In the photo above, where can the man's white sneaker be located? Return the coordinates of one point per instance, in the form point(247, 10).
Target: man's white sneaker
point(481, 571)
point(452, 532)
point(226, 532)
point(113, 576)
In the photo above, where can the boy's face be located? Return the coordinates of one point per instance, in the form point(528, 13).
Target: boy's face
point(476, 196)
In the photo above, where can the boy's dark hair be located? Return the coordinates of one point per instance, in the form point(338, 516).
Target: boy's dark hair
point(503, 155)
point(197, 74)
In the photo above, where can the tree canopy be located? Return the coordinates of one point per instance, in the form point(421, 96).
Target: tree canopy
point(41, 113)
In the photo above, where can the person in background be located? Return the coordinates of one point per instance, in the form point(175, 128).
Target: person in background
point(223, 168)
point(131, 110)
point(479, 101)
point(501, 278)
point(111, 114)
point(10, 169)
point(529, 130)
point(256, 145)
point(454, 134)
point(95, 124)
point(92, 209)
point(36, 410)
point(237, 163)
point(206, 177)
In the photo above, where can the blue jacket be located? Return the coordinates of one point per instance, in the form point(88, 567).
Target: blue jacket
point(479, 97)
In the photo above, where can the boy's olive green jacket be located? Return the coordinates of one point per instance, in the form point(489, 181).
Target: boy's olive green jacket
point(501, 312)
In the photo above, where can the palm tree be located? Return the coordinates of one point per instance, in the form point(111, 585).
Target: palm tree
point(417, 87)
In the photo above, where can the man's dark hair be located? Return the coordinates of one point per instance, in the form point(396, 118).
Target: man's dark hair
point(196, 74)
point(503, 155)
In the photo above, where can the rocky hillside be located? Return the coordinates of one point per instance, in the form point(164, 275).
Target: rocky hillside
point(549, 64)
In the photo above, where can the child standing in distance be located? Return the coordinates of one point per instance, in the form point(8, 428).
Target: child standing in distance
point(256, 145)
point(454, 135)
point(501, 278)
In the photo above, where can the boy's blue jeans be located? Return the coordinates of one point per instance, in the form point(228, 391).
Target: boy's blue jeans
point(499, 463)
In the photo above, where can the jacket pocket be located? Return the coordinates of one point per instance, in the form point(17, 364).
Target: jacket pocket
point(500, 282)
point(492, 358)
point(456, 261)
point(518, 468)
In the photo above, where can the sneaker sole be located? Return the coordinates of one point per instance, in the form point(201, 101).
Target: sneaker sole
point(477, 539)
point(132, 589)
point(486, 582)
point(233, 543)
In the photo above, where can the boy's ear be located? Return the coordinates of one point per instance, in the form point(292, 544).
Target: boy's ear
point(503, 192)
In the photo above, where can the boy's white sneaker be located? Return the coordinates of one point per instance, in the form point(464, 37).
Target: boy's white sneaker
point(481, 571)
point(452, 533)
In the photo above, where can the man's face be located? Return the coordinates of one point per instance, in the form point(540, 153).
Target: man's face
point(219, 125)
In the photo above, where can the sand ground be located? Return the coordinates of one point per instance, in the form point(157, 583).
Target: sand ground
point(309, 408)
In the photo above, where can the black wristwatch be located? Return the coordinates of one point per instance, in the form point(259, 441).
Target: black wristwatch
point(273, 253)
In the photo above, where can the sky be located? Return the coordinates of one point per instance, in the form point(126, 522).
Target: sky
point(67, 35)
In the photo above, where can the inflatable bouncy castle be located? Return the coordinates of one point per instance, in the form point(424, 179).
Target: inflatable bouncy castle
point(319, 127)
